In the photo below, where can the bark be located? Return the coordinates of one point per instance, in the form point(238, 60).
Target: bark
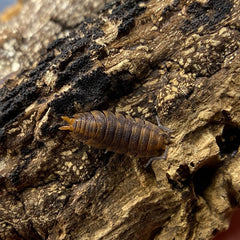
point(175, 59)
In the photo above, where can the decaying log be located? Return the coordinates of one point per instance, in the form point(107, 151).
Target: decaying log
point(175, 59)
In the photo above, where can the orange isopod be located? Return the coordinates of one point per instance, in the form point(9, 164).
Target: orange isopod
point(116, 133)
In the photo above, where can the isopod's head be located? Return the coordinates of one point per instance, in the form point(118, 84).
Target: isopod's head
point(167, 139)
point(70, 121)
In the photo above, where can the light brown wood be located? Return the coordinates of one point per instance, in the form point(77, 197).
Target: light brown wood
point(178, 60)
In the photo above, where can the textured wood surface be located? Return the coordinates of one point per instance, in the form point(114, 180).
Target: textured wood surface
point(175, 59)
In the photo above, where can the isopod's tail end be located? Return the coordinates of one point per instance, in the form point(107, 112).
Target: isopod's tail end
point(65, 128)
point(70, 121)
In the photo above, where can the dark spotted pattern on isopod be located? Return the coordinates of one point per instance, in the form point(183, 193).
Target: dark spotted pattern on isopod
point(116, 133)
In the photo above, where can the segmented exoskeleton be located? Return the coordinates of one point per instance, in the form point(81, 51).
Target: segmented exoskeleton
point(116, 133)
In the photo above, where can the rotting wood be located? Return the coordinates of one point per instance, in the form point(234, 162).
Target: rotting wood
point(175, 59)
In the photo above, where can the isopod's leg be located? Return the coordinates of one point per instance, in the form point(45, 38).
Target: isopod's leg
point(162, 127)
point(164, 156)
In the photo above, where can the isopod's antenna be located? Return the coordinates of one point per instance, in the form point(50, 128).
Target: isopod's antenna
point(70, 121)
point(164, 156)
point(162, 127)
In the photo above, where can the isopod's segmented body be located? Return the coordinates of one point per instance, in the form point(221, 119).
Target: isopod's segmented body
point(116, 133)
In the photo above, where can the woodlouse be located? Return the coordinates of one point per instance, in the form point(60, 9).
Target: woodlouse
point(116, 133)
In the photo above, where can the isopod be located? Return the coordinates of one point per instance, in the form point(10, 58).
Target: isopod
point(116, 133)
